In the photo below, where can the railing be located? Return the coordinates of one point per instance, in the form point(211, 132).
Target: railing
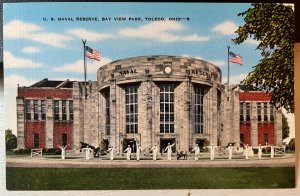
point(37, 152)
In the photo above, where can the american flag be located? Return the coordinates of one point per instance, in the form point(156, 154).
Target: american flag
point(235, 58)
point(92, 54)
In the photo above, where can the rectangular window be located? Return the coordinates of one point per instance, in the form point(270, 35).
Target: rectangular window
point(166, 108)
point(265, 111)
point(107, 112)
point(64, 110)
point(43, 109)
point(28, 110)
point(56, 110)
point(247, 112)
point(36, 140)
point(36, 109)
point(71, 110)
point(271, 112)
point(64, 139)
point(131, 101)
point(242, 119)
point(266, 138)
point(259, 112)
point(198, 110)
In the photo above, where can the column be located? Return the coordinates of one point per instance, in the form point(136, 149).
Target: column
point(49, 123)
point(20, 122)
point(253, 125)
point(112, 140)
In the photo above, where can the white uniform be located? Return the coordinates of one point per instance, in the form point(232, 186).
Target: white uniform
point(246, 152)
point(259, 153)
point(230, 148)
point(154, 151)
point(212, 152)
point(88, 150)
point(111, 151)
point(197, 151)
point(138, 151)
point(169, 151)
point(272, 151)
point(63, 151)
point(128, 150)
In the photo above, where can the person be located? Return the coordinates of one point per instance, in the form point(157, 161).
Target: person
point(112, 151)
point(272, 151)
point(138, 151)
point(88, 150)
point(246, 152)
point(212, 152)
point(259, 152)
point(154, 151)
point(230, 149)
point(128, 150)
point(63, 152)
point(197, 151)
point(169, 151)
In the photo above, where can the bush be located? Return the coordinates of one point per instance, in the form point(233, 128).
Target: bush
point(10, 140)
point(291, 144)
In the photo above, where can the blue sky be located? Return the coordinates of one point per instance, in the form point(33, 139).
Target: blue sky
point(35, 49)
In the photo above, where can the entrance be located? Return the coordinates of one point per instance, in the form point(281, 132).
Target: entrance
point(200, 143)
point(130, 142)
point(164, 143)
point(104, 144)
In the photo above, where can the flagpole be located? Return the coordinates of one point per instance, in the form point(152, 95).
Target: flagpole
point(228, 47)
point(84, 62)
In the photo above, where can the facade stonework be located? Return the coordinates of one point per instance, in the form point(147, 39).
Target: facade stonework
point(151, 100)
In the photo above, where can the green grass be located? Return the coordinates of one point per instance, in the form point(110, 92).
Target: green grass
point(148, 178)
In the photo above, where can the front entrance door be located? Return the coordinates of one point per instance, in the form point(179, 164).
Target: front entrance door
point(130, 142)
point(164, 143)
point(200, 143)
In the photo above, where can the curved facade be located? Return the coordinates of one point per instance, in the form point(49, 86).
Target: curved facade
point(159, 100)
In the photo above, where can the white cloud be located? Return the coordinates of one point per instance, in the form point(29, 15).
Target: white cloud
point(12, 62)
point(218, 63)
point(234, 79)
point(77, 67)
point(10, 93)
point(21, 30)
point(92, 36)
point(252, 41)
point(226, 28)
point(31, 50)
point(161, 31)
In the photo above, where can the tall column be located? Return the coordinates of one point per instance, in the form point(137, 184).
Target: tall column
point(278, 127)
point(253, 126)
point(21, 122)
point(77, 116)
point(49, 123)
point(149, 104)
point(113, 141)
point(214, 114)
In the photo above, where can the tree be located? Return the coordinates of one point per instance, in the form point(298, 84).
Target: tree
point(291, 145)
point(10, 140)
point(285, 127)
point(272, 25)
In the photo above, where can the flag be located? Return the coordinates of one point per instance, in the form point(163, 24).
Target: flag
point(92, 54)
point(235, 58)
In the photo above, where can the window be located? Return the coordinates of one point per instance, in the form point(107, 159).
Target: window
point(36, 140)
point(28, 110)
point(271, 112)
point(43, 108)
point(36, 110)
point(131, 99)
point(247, 112)
point(242, 112)
point(64, 139)
point(64, 110)
point(166, 108)
point(107, 112)
point(259, 112)
point(71, 110)
point(266, 138)
point(198, 110)
point(56, 110)
point(265, 111)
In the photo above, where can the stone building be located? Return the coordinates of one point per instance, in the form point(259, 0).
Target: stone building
point(147, 100)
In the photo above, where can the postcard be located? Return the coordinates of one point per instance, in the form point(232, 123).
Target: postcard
point(149, 96)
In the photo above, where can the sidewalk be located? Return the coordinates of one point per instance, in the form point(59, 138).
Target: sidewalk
point(41, 162)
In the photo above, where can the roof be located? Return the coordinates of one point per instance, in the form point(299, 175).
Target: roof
point(53, 84)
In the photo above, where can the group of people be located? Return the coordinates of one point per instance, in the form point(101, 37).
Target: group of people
point(113, 151)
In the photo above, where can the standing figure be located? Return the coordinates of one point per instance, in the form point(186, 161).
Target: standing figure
point(169, 151)
point(154, 151)
point(138, 152)
point(88, 150)
point(272, 151)
point(197, 151)
point(230, 149)
point(212, 152)
point(246, 152)
point(128, 150)
point(259, 153)
point(112, 151)
point(63, 151)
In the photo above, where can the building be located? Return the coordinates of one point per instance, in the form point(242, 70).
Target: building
point(147, 100)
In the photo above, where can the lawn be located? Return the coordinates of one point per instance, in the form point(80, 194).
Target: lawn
point(148, 178)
